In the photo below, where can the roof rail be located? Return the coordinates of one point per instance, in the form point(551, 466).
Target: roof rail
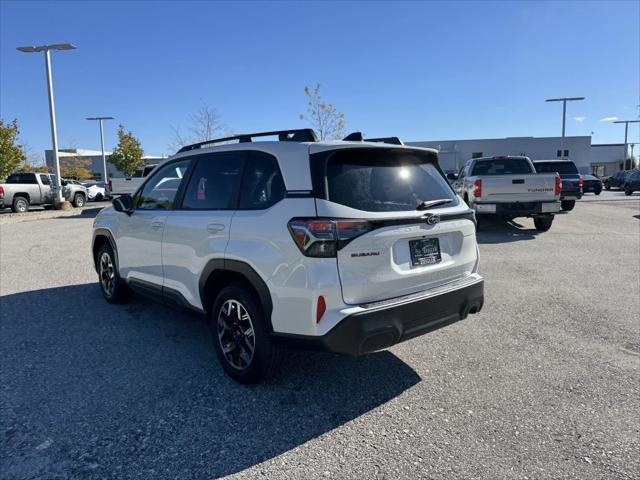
point(296, 135)
point(353, 137)
point(391, 140)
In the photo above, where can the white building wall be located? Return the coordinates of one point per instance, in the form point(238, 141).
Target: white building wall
point(606, 159)
point(455, 153)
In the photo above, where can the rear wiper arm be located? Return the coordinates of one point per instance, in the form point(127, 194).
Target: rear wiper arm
point(433, 203)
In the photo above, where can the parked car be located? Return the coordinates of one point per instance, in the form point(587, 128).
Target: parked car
point(509, 187)
point(128, 185)
point(632, 182)
point(24, 189)
point(572, 181)
point(95, 192)
point(616, 180)
point(591, 184)
point(348, 246)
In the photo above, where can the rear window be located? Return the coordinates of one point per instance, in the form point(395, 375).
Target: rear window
point(563, 168)
point(380, 180)
point(502, 166)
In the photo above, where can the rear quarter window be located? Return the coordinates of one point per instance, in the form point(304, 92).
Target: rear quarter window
point(385, 180)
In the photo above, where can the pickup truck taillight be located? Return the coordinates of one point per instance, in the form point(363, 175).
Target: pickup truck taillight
point(109, 183)
point(580, 182)
point(477, 191)
point(558, 188)
point(323, 237)
point(2, 191)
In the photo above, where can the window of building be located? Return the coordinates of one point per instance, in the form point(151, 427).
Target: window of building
point(566, 154)
point(215, 182)
point(476, 155)
point(559, 153)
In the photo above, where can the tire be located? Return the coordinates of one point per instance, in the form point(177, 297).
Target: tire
point(99, 197)
point(607, 186)
point(543, 223)
point(598, 192)
point(627, 190)
point(79, 200)
point(114, 289)
point(238, 324)
point(567, 205)
point(20, 205)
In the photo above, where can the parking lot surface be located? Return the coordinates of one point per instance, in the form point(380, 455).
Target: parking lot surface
point(543, 383)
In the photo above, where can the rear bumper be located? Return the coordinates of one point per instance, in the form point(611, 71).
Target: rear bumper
point(517, 209)
point(384, 324)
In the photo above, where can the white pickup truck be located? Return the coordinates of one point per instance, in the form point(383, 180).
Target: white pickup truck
point(128, 185)
point(510, 187)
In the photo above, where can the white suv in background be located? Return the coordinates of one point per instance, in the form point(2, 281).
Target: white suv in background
point(348, 246)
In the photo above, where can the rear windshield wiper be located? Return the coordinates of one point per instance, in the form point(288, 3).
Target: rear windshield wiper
point(433, 203)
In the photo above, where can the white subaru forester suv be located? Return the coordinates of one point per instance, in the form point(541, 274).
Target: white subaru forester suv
point(347, 246)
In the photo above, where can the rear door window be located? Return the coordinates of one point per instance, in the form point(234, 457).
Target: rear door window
point(385, 180)
point(502, 166)
point(215, 182)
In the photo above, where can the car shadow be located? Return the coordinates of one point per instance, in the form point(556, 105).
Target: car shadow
point(101, 390)
point(498, 230)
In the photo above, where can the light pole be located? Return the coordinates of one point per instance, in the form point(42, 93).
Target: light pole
point(564, 101)
point(57, 194)
point(626, 131)
point(104, 160)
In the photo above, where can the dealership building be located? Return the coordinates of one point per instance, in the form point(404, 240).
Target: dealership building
point(91, 160)
point(599, 159)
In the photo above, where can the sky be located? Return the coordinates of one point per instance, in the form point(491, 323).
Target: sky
point(417, 70)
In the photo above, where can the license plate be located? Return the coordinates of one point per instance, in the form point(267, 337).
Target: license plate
point(425, 251)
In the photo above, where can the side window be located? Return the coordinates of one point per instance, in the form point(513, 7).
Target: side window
point(45, 179)
point(262, 184)
point(158, 193)
point(215, 182)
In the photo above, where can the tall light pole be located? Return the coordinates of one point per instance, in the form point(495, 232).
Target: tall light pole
point(564, 101)
point(104, 160)
point(57, 194)
point(626, 131)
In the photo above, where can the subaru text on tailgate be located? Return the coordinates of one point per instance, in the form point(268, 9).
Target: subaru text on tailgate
point(346, 246)
point(510, 187)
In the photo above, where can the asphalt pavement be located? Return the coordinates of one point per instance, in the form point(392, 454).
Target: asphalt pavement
point(543, 383)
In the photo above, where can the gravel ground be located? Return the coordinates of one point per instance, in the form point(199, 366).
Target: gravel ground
point(40, 213)
point(543, 383)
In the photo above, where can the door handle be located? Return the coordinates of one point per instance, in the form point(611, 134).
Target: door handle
point(215, 227)
point(157, 224)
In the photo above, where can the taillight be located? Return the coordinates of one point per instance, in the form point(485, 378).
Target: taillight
point(323, 237)
point(558, 188)
point(580, 181)
point(477, 191)
point(110, 189)
point(2, 191)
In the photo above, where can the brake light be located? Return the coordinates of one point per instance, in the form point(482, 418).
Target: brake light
point(477, 191)
point(320, 308)
point(580, 182)
point(558, 188)
point(323, 237)
point(2, 191)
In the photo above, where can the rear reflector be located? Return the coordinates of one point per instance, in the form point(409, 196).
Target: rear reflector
point(320, 309)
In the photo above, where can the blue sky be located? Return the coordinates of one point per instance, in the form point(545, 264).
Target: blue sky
point(419, 70)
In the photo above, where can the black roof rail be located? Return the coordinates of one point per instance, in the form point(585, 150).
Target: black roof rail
point(391, 140)
point(296, 135)
point(353, 137)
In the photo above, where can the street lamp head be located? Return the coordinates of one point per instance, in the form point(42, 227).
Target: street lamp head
point(626, 121)
point(100, 118)
point(42, 48)
point(564, 99)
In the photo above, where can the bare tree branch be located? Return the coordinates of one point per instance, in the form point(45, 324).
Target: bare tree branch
point(204, 125)
point(328, 122)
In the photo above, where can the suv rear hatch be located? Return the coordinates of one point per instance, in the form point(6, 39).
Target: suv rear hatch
point(387, 247)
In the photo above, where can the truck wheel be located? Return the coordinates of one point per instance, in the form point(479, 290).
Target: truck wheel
point(598, 192)
point(78, 200)
point(567, 205)
point(543, 223)
point(99, 197)
point(114, 289)
point(240, 336)
point(627, 190)
point(20, 205)
point(607, 186)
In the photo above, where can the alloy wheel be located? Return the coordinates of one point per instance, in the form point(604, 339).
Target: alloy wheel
point(107, 274)
point(236, 334)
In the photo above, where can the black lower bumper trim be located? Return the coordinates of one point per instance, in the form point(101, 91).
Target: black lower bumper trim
point(373, 330)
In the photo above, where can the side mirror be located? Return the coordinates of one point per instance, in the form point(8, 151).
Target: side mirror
point(123, 204)
point(452, 176)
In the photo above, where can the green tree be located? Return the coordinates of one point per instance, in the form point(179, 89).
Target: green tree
point(326, 120)
point(127, 156)
point(12, 155)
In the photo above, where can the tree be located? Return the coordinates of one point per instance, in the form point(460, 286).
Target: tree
point(205, 124)
point(12, 155)
point(127, 156)
point(326, 120)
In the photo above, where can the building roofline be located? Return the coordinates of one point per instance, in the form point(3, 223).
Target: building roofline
point(607, 144)
point(500, 138)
